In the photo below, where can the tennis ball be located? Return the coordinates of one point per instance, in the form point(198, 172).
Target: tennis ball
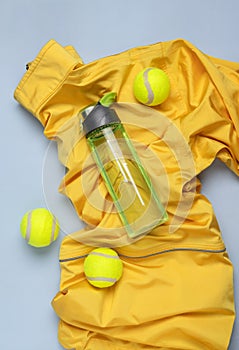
point(103, 267)
point(151, 86)
point(39, 227)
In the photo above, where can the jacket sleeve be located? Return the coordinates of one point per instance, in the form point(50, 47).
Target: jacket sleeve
point(43, 81)
point(224, 136)
point(209, 91)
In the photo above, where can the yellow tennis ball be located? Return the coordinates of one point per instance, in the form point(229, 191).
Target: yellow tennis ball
point(39, 227)
point(151, 86)
point(103, 267)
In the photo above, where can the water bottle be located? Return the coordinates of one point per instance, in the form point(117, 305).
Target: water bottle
point(128, 183)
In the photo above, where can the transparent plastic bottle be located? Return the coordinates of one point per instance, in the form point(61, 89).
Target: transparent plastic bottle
point(128, 183)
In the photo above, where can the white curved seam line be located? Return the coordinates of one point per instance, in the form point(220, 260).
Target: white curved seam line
point(105, 255)
point(102, 279)
point(148, 87)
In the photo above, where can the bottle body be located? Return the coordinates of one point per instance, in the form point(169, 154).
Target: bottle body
point(129, 185)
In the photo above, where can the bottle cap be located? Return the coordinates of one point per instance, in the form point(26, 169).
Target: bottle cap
point(98, 116)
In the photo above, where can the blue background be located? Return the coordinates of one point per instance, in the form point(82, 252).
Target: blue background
point(30, 277)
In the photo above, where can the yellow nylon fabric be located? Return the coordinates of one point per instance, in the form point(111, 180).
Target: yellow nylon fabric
point(176, 291)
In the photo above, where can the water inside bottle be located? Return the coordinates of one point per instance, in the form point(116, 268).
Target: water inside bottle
point(127, 181)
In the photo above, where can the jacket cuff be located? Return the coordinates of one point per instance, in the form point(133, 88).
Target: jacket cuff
point(52, 64)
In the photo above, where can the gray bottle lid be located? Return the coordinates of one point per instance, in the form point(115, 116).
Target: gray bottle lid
point(98, 116)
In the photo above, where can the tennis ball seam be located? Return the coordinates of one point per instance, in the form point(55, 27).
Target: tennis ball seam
point(150, 97)
point(102, 278)
point(104, 255)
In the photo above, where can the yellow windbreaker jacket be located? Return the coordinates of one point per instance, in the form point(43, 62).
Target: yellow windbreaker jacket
point(176, 291)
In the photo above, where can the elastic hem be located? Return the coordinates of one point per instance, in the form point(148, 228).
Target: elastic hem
point(144, 256)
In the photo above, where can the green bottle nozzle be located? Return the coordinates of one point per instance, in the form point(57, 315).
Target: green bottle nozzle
point(108, 99)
